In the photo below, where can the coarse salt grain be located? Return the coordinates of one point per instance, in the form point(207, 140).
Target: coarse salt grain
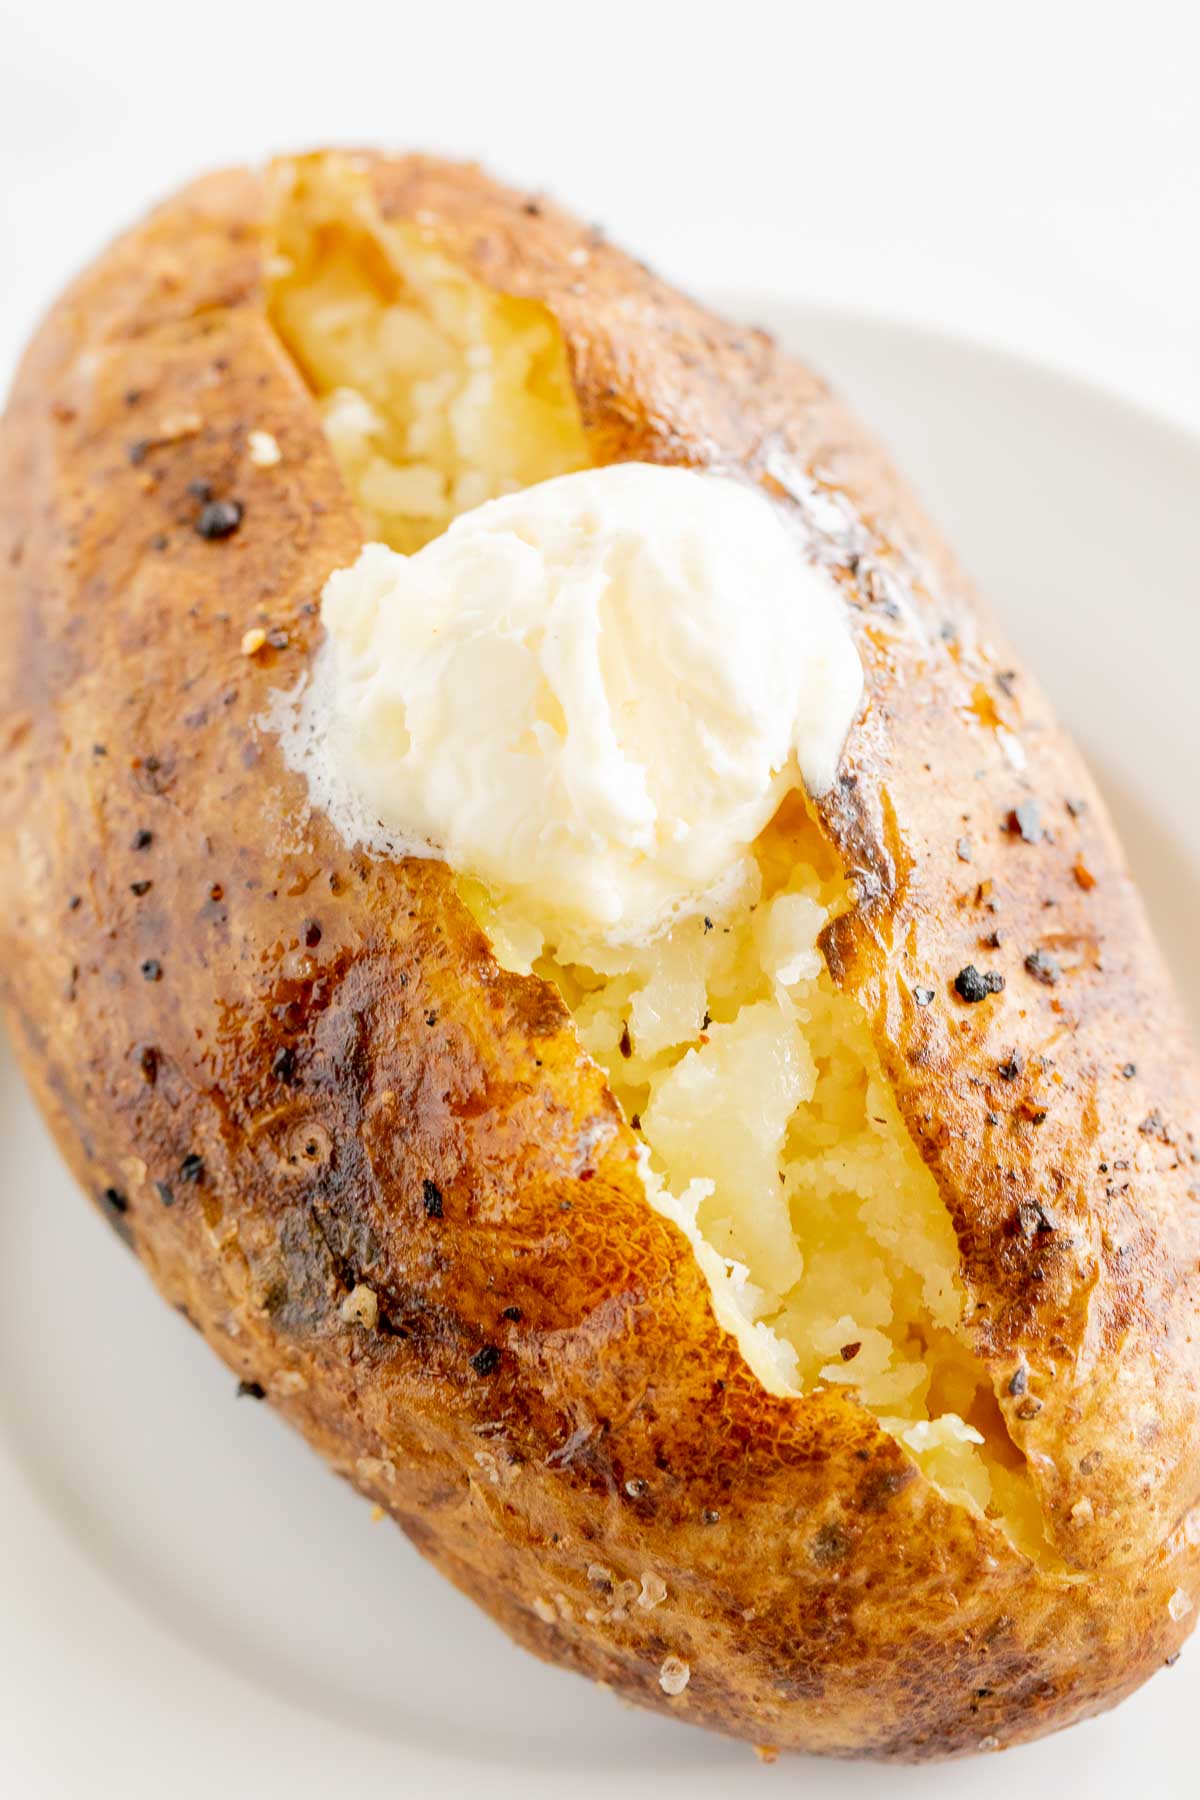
point(545, 1611)
point(654, 1592)
point(361, 1307)
point(1179, 1605)
point(1083, 1512)
point(264, 451)
point(674, 1675)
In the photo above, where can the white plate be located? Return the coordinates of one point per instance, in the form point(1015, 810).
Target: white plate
point(190, 1605)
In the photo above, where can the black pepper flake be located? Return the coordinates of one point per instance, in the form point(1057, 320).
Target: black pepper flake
point(1043, 967)
point(848, 1352)
point(972, 986)
point(625, 1042)
point(191, 1169)
point(1006, 681)
point(200, 490)
point(992, 941)
point(152, 969)
point(142, 839)
point(283, 1063)
point(706, 1021)
point(1151, 1125)
point(219, 519)
point(1035, 1217)
point(159, 541)
point(431, 1195)
point(486, 1360)
point(710, 1516)
point(635, 1121)
point(431, 1018)
point(1011, 1067)
point(1019, 1381)
point(312, 932)
point(74, 903)
point(708, 924)
point(512, 1314)
point(99, 749)
point(115, 1200)
point(140, 887)
point(139, 450)
point(924, 996)
point(1129, 1071)
point(166, 1192)
point(148, 1064)
point(251, 1390)
point(1025, 821)
point(277, 638)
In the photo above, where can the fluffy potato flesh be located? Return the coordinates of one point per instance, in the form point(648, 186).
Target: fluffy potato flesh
point(770, 1134)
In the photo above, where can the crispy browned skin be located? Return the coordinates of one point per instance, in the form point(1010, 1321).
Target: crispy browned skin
point(371, 1099)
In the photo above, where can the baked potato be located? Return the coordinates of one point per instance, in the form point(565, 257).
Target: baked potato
point(417, 1183)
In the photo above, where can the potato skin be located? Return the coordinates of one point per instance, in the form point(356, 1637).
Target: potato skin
point(283, 1068)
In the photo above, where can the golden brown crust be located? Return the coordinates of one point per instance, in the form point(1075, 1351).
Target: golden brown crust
point(291, 1069)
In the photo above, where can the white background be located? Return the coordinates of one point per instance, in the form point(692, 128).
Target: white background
point(1028, 174)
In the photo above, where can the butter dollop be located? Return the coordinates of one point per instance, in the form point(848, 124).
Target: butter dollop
point(592, 693)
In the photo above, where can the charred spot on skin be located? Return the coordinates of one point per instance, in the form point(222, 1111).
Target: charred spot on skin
point(431, 1198)
point(486, 1360)
point(829, 1545)
point(880, 1487)
point(115, 1206)
point(973, 985)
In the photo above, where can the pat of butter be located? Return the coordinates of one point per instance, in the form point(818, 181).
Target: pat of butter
point(593, 692)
